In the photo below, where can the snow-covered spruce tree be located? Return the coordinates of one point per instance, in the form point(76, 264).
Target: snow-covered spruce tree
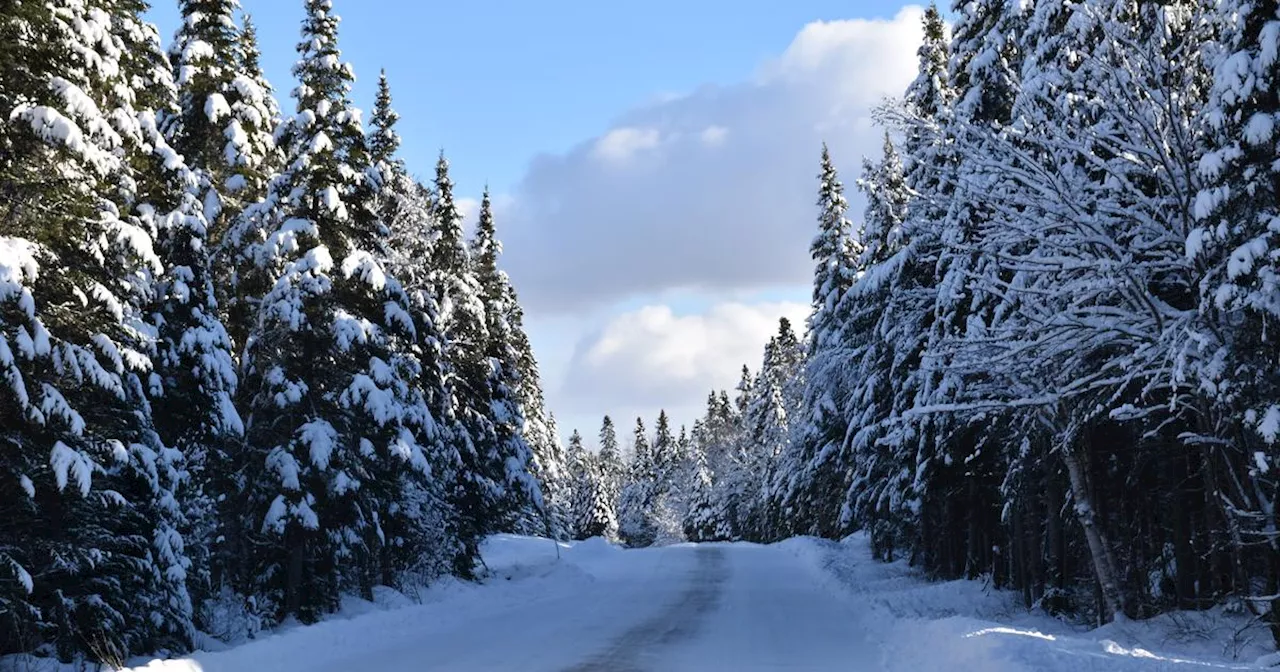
point(327, 385)
point(725, 445)
point(737, 492)
point(665, 510)
point(418, 543)
point(549, 460)
point(696, 490)
point(592, 513)
point(194, 384)
point(1236, 246)
point(801, 487)
point(227, 112)
point(492, 485)
point(636, 496)
point(408, 211)
point(880, 484)
point(767, 431)
point(510, 457)
point(714, 438)
point(384, 141)
point(94, 563)
point(612, 469)
point(903, 324)
point(963, 454)
point(224, 128)
point(793, 352)
point(985, 58)
point(746, 382)
point(688, 480)
point(580, 481)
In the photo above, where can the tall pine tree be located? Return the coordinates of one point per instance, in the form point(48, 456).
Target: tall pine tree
point(510, 456)
point(330, 396)
point(809, 471)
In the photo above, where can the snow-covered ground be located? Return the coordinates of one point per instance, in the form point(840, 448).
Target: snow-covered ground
point(802, 604)
point(965, 625)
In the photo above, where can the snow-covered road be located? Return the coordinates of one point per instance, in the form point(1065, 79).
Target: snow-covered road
point(740, 607)
point(734, 607)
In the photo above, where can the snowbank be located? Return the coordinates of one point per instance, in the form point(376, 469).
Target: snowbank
point(395, 621)
point(968, 625)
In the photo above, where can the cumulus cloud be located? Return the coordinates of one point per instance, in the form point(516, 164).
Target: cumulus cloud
point(653, 357)
point(709, 191)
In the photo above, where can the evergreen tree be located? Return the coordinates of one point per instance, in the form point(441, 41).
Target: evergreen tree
point(398, 204)
point(665, 509)
point(592, 510)
point(227, 113)
point(510, 457)
point(716, 438)
point(769, 421)
point(968, 462)
point(550, 463)
point(384, 141)
point(698, 509)
point(582, 474)
point(833, 251)
point(1235, 243)
point(906, 321)
point(880, 486)
point(663, 450)
point(985, 57)
point(224, 128)
point(94, 559)
point(636, 497)
point(746, 382)
point(801, 486)
point(492, 487)
point(612, 469)
point(332, 408)
point(418, 532)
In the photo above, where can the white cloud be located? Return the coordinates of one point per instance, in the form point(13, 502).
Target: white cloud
point(683, 203)
point(621, 144)
point(653, 357)
point(713, 135)
point(469, 208)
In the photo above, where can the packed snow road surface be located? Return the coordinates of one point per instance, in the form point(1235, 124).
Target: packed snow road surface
point(591, 607)
point(740, 608)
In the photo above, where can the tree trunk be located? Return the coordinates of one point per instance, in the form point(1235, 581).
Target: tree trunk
point(973, 551)
point(293, 578)
point(368, 573)
point(1183, 554)
point(1019, 565)
point(1273, 578)
point(1054, 540)
point(1104, 564)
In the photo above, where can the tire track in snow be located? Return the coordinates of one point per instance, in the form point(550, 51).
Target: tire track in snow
point(676, 623)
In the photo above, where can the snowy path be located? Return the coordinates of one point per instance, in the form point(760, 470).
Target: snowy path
point(773, 615)
point(738, 607)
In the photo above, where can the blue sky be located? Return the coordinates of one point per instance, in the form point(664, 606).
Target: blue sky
point(495, 83)
point(653, 164)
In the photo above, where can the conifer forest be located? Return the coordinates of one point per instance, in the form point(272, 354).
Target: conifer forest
point(251, 363)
